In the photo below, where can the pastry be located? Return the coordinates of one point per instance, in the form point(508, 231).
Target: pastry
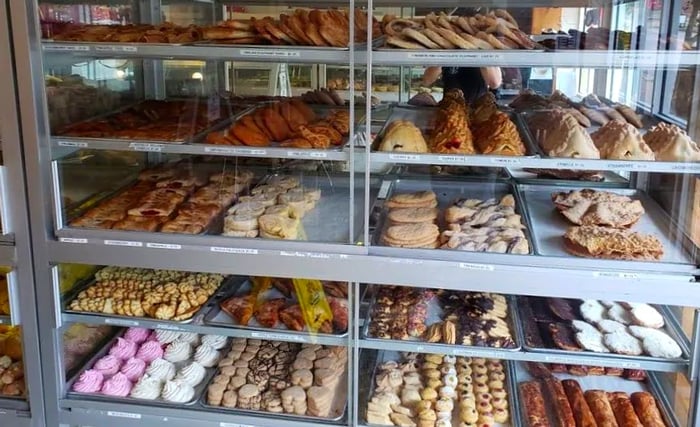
point(533, 402)
point(623, 410)
point(656, 343)
point(621, 141)
point(592, 311)
point(421, 235)
point(403, 136)
point(600, 407)
point(583, 415)
point(623, 343)
point(645, 407)
point(559, 134)
point(594, 207)
point(672, 144)
point(412, 215)
point(562, 409)
point(602, 242)
point(646, 315)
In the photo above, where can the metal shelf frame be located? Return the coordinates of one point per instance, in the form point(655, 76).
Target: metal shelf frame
point(506, 274)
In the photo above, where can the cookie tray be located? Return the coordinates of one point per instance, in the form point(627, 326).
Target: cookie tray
point(201, 387)
point(447, 191)
point(434, 315)
point(609, 384)
point(424, 117)
point(111, 318)
point(510, 382)
point(549, 227)
point(338, 407)
point(672, 328)
point(217, 317)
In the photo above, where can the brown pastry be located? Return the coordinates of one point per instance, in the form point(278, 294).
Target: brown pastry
point(645, 407)
point(600, 407)
point(623, 410)
point(582, 413)
point(533, 402)
point(563, 337)
point(564, 416)
point(610, 243)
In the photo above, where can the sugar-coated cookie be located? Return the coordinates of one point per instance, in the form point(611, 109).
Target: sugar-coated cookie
point(623, 343)
point(592, 311)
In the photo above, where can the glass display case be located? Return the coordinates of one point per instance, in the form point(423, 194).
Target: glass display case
point(500, 231)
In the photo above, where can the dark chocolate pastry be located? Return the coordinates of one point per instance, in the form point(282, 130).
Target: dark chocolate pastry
point(563, 337)
point(538, 370)
point(562, 308)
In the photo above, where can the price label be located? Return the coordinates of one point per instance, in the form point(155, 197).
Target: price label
point(163, 246)
point(305, 254)
point(124, 415)
point(636, 58)
point(72, 240)
point(457, 56)
point(234, 425)
point(72, 144)
point(242, 251)
point(131, 49)
point(616, 275)
point(66, 48)
point(587, 361)
point(404, 157)
point(123, 243)
point(406, 261)
point(318, 155)
point(220, 150)
point(641, 166)
point(121, 322)
point(271, 53)
point(168, 327)
point(478, 267)
point(506, 161)
point(685, 167)
point(146, 147)
point(570, 164)
point(278, 337)
point(384, 189)
point(235, 151)
point(452, 159)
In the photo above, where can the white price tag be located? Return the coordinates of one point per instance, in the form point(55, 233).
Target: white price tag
point(384, 190)
point(72, 240)
point(506, 161)
point(616, 275)
point(235, 151)
point(686, 167)
point(220, 150)
point(242, 251)
point(72, 144)
point(278, 337)
point(406, 261)
point(404, 157)
point(146, 147)
point(222, 424)
point(478, 267)
point(308, 154)
point(123, 243)
point(271, 53)
point(452, 159)
point(570, 164)
point(318, 155)
point(124, 415)
point(163, 246)
point(116, 49)
point(589, 362)
point(66, 48)
point(121, 322)
point(457, 56)
point(305, 254)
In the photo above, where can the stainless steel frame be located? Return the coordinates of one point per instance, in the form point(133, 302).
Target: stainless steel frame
point(503, 274)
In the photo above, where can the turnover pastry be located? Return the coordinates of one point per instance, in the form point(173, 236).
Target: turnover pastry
point(451, 134)
point(498, 136)
point(595, 207)
point(403, 136)
point(610, 243)
point(671, 144)
point(621, 141)
point(560, 135)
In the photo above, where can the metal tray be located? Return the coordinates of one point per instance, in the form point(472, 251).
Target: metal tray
point(528, 176)
point(549, 226)
point(607, 383)
point(125, 47)
point(435, 315)
point(201, 387)
point(510, 382)
point(217, 317)
point(671, 327)
point(338, 407)
point(423, 118)
point(447, 191)
point(191, 138)
point(227, 283)
point(218, 43)
point(328, 221)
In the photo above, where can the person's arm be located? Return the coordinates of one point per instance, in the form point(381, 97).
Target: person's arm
point(492, 76)
point(431, 75)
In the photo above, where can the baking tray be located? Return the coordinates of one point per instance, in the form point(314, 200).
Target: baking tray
point(424, 117)
point(217, 317)
point(510, 382)
point(432, 171)
point(338, 407)
point(607, 383)
point(219, 43)
point(447, 191)
point(124, 47)
point(201, 387)
point(434, 315)
point(549, 226)
point(329, 221)
point(187, 139)
point(73, 294)
point(671, 328)
point(529, 176)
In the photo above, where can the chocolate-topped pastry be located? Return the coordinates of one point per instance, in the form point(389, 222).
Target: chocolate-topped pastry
point(538, 370)
point(562, 308)
point(479, 305)
point(541, 311)
point(563, 336)
point(533, 338)
point(558, 368)
point(635, 375)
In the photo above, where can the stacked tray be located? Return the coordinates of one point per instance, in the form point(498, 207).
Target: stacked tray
point(283, 298)
point(588, 396)
point(563, 328)
point(442, 390)
point(164, 368)
point(289, 380)
point(441, 317)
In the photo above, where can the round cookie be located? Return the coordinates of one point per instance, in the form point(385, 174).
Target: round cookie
point(412, 200)
point(657, 343)
point(592, 311)
point(610, 326)
point(646, 315)
point(620, 314)
point(592, 340)
point(413, 215)
point(623, 343)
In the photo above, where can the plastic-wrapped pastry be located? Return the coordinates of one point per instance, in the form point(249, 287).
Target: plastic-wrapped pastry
point(403, 136)
point(621, 141)
point(671, 144)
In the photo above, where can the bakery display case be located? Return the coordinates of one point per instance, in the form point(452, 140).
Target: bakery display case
point(270, 215)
